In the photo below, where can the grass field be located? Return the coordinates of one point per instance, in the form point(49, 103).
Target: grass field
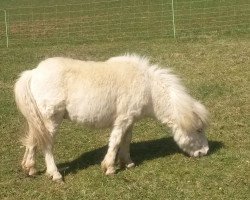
point(80, 22)
point(215, 70)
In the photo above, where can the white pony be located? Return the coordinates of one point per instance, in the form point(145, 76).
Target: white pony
point(115, 93)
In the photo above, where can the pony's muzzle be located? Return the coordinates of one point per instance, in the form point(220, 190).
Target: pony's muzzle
point(201, 152)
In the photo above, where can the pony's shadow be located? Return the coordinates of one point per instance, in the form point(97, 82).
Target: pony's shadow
point(140, 152)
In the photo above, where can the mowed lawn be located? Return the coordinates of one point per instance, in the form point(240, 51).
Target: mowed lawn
point(215, 70)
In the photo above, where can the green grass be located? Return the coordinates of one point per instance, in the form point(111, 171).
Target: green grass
point(42, 23)
point(214, 69)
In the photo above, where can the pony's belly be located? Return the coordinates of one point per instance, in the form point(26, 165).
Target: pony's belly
point(91, 117)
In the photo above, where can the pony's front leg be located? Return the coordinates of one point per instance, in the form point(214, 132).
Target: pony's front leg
point(52, 170)
point(117, 134)
point(124, 158)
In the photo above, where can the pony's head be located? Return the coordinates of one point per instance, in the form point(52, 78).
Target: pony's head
point(194, 144)
point(190, 135)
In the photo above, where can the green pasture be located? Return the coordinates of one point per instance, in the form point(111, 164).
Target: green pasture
point(215, 69)
point(31, 23)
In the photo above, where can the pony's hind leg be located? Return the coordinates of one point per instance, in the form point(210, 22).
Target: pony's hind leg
point(52, 125)
point(28, 162)
point(124, 158)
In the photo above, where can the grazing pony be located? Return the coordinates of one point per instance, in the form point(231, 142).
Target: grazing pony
point(115, 93)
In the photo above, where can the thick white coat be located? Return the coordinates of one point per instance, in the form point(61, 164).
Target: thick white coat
point(114, 93)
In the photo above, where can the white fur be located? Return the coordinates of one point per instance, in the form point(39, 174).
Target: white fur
point(114, 93)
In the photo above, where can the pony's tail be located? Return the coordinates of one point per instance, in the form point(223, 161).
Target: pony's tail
point(37, 134)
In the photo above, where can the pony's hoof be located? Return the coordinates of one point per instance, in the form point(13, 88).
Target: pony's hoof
point(130, 165)
point(32, 171)
point(127, 165)
point(110, 171)
point(55, 176)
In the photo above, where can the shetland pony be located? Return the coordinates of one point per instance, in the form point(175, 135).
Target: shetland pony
point(115, 93)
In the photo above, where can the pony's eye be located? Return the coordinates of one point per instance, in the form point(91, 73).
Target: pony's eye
point(199, 130)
